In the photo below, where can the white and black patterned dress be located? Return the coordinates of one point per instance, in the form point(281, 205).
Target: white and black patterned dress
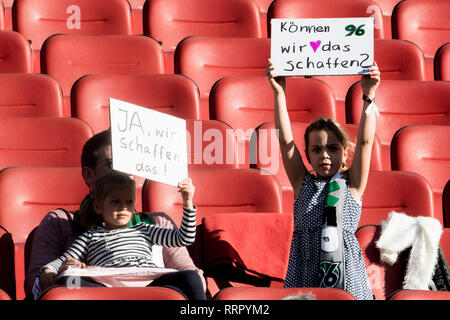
point(303, 269)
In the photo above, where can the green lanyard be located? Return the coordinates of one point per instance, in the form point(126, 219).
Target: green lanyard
point(137, 219)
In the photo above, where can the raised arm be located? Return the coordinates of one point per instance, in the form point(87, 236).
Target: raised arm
point(359, 170)
point(292, 160)
point(185, 235)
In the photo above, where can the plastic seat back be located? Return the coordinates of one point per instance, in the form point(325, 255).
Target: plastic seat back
point(69, 57)
point(170, 21)
point(27, 194)
point(430, 30)
point(42, 142)
point(216, 191)
point(4, 295)
point(384, 279)
point(423, 149)
point(246, 102)
point(396, 59)
point(420, 295)
point(212, 144)
point(16, 53)
point(37, 20)
point(266, 154)
point(403, 103)
point(328, 9)
point(206, 60)
point(122, 293)
point(169, 93)
point(398, 191)
point(40, 95)
point(254, 293)
point(442, 63)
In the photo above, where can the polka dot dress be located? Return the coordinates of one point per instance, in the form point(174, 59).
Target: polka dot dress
point(303, 269)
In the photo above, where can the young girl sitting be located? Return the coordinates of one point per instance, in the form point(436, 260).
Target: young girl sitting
point(111, 242)
point(327, 205)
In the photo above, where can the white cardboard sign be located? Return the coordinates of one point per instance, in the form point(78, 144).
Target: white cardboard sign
point(334, 46)
point(148, 143)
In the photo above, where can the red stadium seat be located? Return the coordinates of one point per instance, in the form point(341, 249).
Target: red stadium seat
point(384, 279)
point(282, 293)
point(7, 5)
point(399, 191)
point(27, 194)
point(69, 57)
point(211, 144)
point(403, 103)
point(37, 20)
point(423, 149)
point(420, 295)
point(442, 63)
point(216, 191)
point(264, 159)
point(7, 277)
point(42, 142)
point(40, 96)
point(15, 52)
point(99, 293)
point(4, 295)
point(246, 102)
point(172, 94)
point(205, 60)
point(170, 21)
point(424, 22)
point(327, 9)
point(396, 59)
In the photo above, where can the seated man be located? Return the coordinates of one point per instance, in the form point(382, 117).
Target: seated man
point(59, 227)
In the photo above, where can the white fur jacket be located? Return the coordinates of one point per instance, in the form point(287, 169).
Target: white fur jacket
point(422, 234)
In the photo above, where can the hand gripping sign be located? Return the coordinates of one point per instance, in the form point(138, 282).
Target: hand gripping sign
point(337, 46)
point(148, 143)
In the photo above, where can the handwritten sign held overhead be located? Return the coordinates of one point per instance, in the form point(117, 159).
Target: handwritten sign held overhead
point(148, 143)
point(335, 46)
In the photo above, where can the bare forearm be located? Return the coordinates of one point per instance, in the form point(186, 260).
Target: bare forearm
point(282, 121)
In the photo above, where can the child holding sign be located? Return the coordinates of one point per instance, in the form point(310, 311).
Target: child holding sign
point(111, 242)
point(327, 205)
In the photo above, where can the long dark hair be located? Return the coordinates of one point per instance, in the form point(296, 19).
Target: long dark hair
point(103, 186)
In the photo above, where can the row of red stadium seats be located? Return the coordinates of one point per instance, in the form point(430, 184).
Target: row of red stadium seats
point(168, 22)
point(235, 293)
point(289, 172)
point(28, 193)
point(205, 60)
point(247, 97)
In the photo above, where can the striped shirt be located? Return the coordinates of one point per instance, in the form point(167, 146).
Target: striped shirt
point(128, 246)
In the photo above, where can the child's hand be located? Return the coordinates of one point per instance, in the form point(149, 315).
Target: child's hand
point(46, 279)
point(369, 82)
point(187, 190)
point(278, 83)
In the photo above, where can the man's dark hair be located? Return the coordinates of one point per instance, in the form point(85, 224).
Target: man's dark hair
point(89, 155)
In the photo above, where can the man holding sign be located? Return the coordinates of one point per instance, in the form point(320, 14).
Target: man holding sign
point(339, 46)
point(59, 227)
point(327, 206)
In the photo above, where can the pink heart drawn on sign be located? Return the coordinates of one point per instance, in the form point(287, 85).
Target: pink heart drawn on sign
point(315, 45)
